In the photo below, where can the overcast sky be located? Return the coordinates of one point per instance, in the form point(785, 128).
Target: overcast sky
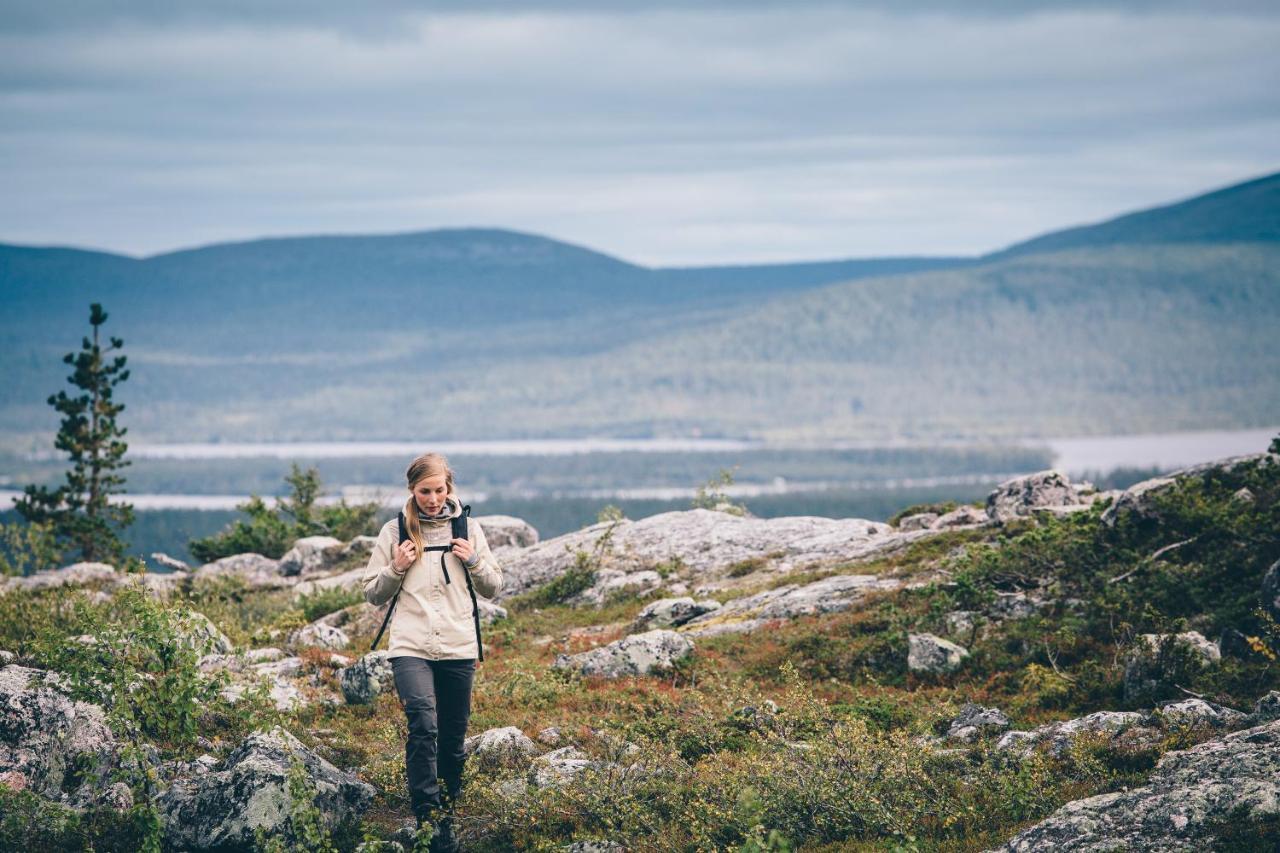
point(665, 133)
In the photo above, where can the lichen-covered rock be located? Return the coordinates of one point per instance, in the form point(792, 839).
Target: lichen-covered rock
point(1017, 498)
point(706, 542)
point(1271, 590)
point(1188, 797)
point(321, 635)
point(257, 571)
point(366, 678)
point(1157, 658)
point(930, 654)
point(47, 739)
point(1197, 712)
point(962, 624)
point(918, 521)
point(964, 516)
point(550, 736)
point(558, 767)
point(311, 554)
point(1014, 605)
point(1267, 708)
point(1139, 499)
point(502, 747)
point(637, 654)
point(200, 631)
point(611, 582)
point(222, 808)
point(507, 531)
point(76, 574)
point(672, 612)
point(1059, 735)
point(277, 675)
point(829, 595)
point(975, 721)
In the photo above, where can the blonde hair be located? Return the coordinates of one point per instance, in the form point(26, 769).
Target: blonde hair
point(426, 465)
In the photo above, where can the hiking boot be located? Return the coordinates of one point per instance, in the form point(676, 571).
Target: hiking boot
point(444, 841)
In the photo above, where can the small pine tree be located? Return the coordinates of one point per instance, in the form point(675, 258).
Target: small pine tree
point(79, 511)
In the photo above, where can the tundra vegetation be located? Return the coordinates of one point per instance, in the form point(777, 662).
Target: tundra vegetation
point(815, 734)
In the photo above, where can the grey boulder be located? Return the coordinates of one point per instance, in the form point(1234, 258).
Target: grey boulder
point(368, 677)
point(933, 655)
point(672, 612)
point(249, 792)
point(47, 738)
point(1019, 497)
point(637, 654)
point(1191, 794)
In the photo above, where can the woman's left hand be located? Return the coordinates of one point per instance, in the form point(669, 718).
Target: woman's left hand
point(462, 549)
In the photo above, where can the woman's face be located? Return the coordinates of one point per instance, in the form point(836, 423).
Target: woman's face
point(430, 493)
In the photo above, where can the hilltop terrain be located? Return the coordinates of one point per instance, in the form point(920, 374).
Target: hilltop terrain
point(1059, 666)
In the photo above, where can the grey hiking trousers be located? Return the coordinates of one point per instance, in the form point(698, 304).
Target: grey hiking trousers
point(437, 703)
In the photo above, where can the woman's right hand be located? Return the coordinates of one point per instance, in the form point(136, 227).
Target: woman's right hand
point(405, 555)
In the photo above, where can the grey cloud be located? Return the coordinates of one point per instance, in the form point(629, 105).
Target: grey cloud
point(666, 136)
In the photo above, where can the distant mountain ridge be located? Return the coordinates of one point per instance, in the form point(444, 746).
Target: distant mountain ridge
point(306, 336)
point(1247, 212)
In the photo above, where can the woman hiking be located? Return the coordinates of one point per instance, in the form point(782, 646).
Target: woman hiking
point(431, 575)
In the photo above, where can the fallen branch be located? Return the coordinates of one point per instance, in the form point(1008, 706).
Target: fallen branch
point(1149, 560)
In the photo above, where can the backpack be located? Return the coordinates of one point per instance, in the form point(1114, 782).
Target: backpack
point(459, 531)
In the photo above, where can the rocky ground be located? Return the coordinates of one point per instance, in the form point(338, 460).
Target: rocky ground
point(609, 648)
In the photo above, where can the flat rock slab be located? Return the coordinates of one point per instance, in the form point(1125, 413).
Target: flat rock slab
point(1189, 796)
point(829, 595)
point(637, 654)
point(707, 543)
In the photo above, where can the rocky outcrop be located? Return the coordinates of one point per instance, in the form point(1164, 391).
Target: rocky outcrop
point(1058, 736)
point(965, 516)
point(257, 571)
point(321, 635)
point(707, 544)
point(1198, 712)
point(672, 612)
point(1156, 659)
point(47, 740)
point(611, 583)
point(1271, 590)
point(1139, 499)
point(933, 655)
point(502, 747)
point(368, 677)
point(829, 595)
point(77, 574)
point(1019, 497)
point(637, 654)
point(918, 521)
point(248, 791)
point(507, 531)
point(1189, 799)
point(975, 722)
point(311, 554)
point(559, 766)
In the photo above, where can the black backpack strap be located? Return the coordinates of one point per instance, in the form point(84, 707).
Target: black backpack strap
point(386, 620)
point(460, 531)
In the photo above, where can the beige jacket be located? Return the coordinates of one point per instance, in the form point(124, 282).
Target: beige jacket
point(432, 618)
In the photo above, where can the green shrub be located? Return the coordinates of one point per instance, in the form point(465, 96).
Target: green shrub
point(322, 602)
point(272, 531)
point(27, 547)
point(139, 659)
